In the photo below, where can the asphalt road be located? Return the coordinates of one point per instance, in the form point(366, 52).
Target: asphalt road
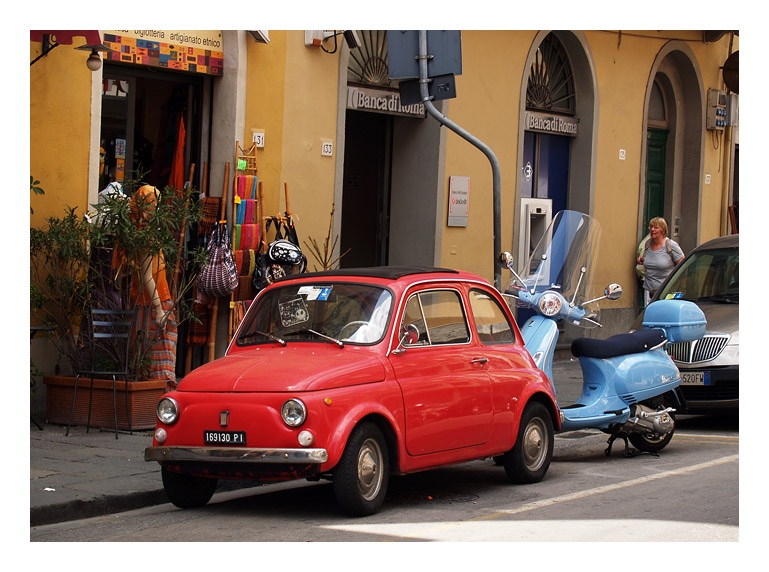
point(689, 493)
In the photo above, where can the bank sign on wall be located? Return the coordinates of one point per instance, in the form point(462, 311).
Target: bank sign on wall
point(196, 51)
point(381, 101)
point(550, 123)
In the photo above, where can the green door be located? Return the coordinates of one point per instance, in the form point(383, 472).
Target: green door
point(656, 140)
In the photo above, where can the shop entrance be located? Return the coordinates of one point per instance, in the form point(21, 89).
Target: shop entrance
point(140, 123)
point(366, 189)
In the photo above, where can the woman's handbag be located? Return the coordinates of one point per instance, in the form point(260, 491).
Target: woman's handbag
point(219, 276)
point(283, 256)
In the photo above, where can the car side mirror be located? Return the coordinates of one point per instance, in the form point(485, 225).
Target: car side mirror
point(409, 334)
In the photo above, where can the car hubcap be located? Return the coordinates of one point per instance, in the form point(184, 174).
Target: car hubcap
point(369, 469)
point(534, 445)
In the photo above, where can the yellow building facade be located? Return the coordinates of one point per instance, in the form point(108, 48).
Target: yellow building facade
point(576, 119)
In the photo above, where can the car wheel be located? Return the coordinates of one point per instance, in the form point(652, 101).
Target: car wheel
point(360, 478)
point(186, 491)
point(529, 459)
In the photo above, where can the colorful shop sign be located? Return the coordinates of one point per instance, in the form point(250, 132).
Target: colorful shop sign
point(196, 51)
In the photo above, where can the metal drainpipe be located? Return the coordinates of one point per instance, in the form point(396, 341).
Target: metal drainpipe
point(431, 109)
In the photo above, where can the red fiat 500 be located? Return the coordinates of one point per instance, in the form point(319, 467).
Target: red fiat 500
point(354, 375)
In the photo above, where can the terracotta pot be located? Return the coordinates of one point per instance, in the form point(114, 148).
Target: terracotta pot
point(142, 398)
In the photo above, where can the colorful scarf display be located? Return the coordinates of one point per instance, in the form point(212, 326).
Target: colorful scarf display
point(246, 236)
point(246, 187)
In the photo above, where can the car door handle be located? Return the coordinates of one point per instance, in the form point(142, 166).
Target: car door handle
point(480, 360)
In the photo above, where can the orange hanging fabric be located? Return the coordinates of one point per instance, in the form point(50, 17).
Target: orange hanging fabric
point(176, 179)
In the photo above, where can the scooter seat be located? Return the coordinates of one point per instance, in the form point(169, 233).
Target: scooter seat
point(619, 345)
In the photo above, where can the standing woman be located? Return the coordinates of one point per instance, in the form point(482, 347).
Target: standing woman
point(659, 258)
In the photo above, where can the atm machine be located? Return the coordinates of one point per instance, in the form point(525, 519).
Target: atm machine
point(536, 215)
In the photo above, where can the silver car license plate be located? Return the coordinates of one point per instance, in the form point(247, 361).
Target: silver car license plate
point(695, 378)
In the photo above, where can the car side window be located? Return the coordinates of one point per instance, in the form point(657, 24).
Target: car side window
point(490, 320)
point(438, 317)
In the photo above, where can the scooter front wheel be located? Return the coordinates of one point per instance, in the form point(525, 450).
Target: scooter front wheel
point(528, 461)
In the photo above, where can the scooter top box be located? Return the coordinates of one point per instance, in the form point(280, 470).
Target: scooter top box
point(682, 321)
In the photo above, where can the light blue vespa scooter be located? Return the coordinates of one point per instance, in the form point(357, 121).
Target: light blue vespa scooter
point(629, 381)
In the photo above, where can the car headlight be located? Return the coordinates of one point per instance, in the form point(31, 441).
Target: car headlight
point(294, 412)
point(550, 304)
point(168, 410)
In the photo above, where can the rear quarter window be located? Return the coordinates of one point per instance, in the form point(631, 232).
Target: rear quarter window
point(490, 319)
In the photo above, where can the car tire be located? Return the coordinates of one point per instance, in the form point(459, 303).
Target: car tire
point(186, 491)
point(360, 478)
point(529, 459)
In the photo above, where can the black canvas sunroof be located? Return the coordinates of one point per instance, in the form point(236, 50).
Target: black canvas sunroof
point(386, 272)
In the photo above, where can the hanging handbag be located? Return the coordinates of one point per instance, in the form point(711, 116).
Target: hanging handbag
point(283, 256)
point(219, 275)
point(285, 250)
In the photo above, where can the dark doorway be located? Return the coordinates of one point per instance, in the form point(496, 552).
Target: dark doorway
point(656, 143)
point(546, 159)
point(366, 190)
point(140, 123)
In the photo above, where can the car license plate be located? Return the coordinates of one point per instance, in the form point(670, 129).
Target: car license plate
point(235, 438)
point(695, 378)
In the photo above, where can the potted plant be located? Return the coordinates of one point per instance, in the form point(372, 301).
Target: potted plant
point(101, 260)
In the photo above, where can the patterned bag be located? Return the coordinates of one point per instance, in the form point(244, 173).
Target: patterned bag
point(283, 256)
point(219, 276)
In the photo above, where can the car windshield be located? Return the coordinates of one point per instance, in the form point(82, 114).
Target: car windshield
point(339, 313)
point(706, 275)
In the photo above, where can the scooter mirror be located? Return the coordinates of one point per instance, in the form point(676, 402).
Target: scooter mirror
point(506, 258)
point(613, 291)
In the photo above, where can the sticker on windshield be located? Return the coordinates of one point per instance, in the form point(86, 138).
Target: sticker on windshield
point(324, 293)
point(674, 296)
point(315, 293)
point(293, 312)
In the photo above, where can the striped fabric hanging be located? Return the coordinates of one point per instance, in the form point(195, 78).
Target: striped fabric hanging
point(246, 187)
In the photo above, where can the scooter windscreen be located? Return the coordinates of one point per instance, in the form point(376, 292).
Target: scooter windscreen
point(563, 260)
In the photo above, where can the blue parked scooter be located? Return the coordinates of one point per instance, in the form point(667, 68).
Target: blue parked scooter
point(629, 381)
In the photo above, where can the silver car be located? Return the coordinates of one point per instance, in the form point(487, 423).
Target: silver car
point(709, 276)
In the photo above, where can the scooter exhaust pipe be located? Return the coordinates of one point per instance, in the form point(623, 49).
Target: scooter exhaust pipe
point(646, 419)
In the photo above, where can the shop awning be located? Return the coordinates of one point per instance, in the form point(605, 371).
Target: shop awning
point(65, 37)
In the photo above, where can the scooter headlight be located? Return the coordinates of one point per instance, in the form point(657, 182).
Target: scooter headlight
point(550, 304)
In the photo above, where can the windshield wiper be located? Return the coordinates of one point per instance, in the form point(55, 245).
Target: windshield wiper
point(324, 336)
point(266, 335)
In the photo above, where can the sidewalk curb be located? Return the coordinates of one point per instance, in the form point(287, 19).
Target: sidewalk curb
point(104, 505)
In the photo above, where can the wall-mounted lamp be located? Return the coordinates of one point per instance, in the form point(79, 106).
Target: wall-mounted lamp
point(315, 39)
point(51, 39)
point(94, 59)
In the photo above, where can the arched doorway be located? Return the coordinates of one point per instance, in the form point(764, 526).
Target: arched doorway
point(556, 163)
point(673, 145)
point(557, 129)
